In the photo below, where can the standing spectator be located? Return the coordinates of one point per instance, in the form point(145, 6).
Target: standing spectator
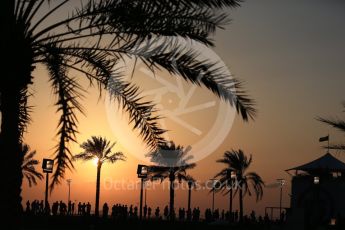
point(157, 213)
point(253, 216)
point(28, 209)
point(131, 211)
point(166, 212)
point(83, 209)
point(88, 209)
point(149, 212)
point(189, 214)
point(145, 211)
point(136, 212)
point(41, 207)
point(105, 210)
point(55, 208)
point(79, 209)
point(69, 208)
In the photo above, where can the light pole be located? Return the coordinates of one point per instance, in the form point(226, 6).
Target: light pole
point(145, 190)
point(231, 174)
point(281, 184)
point(47, 166)
point(69, 189)
point(142, 172)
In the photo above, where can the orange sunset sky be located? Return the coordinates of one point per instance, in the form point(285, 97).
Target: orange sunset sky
point(291, 54)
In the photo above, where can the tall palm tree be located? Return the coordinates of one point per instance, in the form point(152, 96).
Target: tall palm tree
point(171, 163)
point(338, 124)
point(101, 149)
point(238, 162)
point(90, 39)
point(29, 164)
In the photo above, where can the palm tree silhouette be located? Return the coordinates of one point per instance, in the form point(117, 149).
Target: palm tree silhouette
point(239, 163)
point(91, 39)
point(101, 149)
point(29, 164)
point(172, 163)
point(338, 124)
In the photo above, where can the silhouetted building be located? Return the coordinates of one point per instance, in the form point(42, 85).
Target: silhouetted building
point(318, 192)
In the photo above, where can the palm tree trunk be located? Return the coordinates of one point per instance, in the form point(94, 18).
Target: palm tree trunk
point(241, 205)
point(172, 197)
point(99, 165)
point(189, 196)
point(230, 205)
point(10, 199)
point(10, 150)
point(15, 77)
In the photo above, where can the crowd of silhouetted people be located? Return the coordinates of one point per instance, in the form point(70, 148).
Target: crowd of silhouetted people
point(124, 212)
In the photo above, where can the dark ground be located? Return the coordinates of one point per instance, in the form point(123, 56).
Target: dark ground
point(90, 223)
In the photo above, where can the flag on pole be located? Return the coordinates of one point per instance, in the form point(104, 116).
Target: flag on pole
point(322, 139)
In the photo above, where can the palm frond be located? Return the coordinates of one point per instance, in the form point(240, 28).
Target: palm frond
point(24, 111)
point(336, 147)
point(29, 164)
point(188, 63)
point(214, 3)
point(170, 155)
point(141, 113)
point(335, 123)
point(84, 156)
point(99, 147)
point(97, 67)
point(257, 184)
point(118, 156)
point(195, 20)
point(68, 92)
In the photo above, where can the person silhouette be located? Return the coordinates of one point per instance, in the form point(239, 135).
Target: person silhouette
point(145, 211)
point(28, 209)
point(69, 208)
point(282, 216)
point(157, 213)
point(47, 208)
point(266, 218)
point(41, 207)
point(125, 211)
point(236, 216)
point(197, 214)
point(136, 212)
point(83, 209)
point(149, 212)
point(189, 214)
point(55, 208)
point(79, 209)
point(131, 211)
point(88, 209)
point(33, 207)
point(105, 210)
point(166, 212)
point(253, 216)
